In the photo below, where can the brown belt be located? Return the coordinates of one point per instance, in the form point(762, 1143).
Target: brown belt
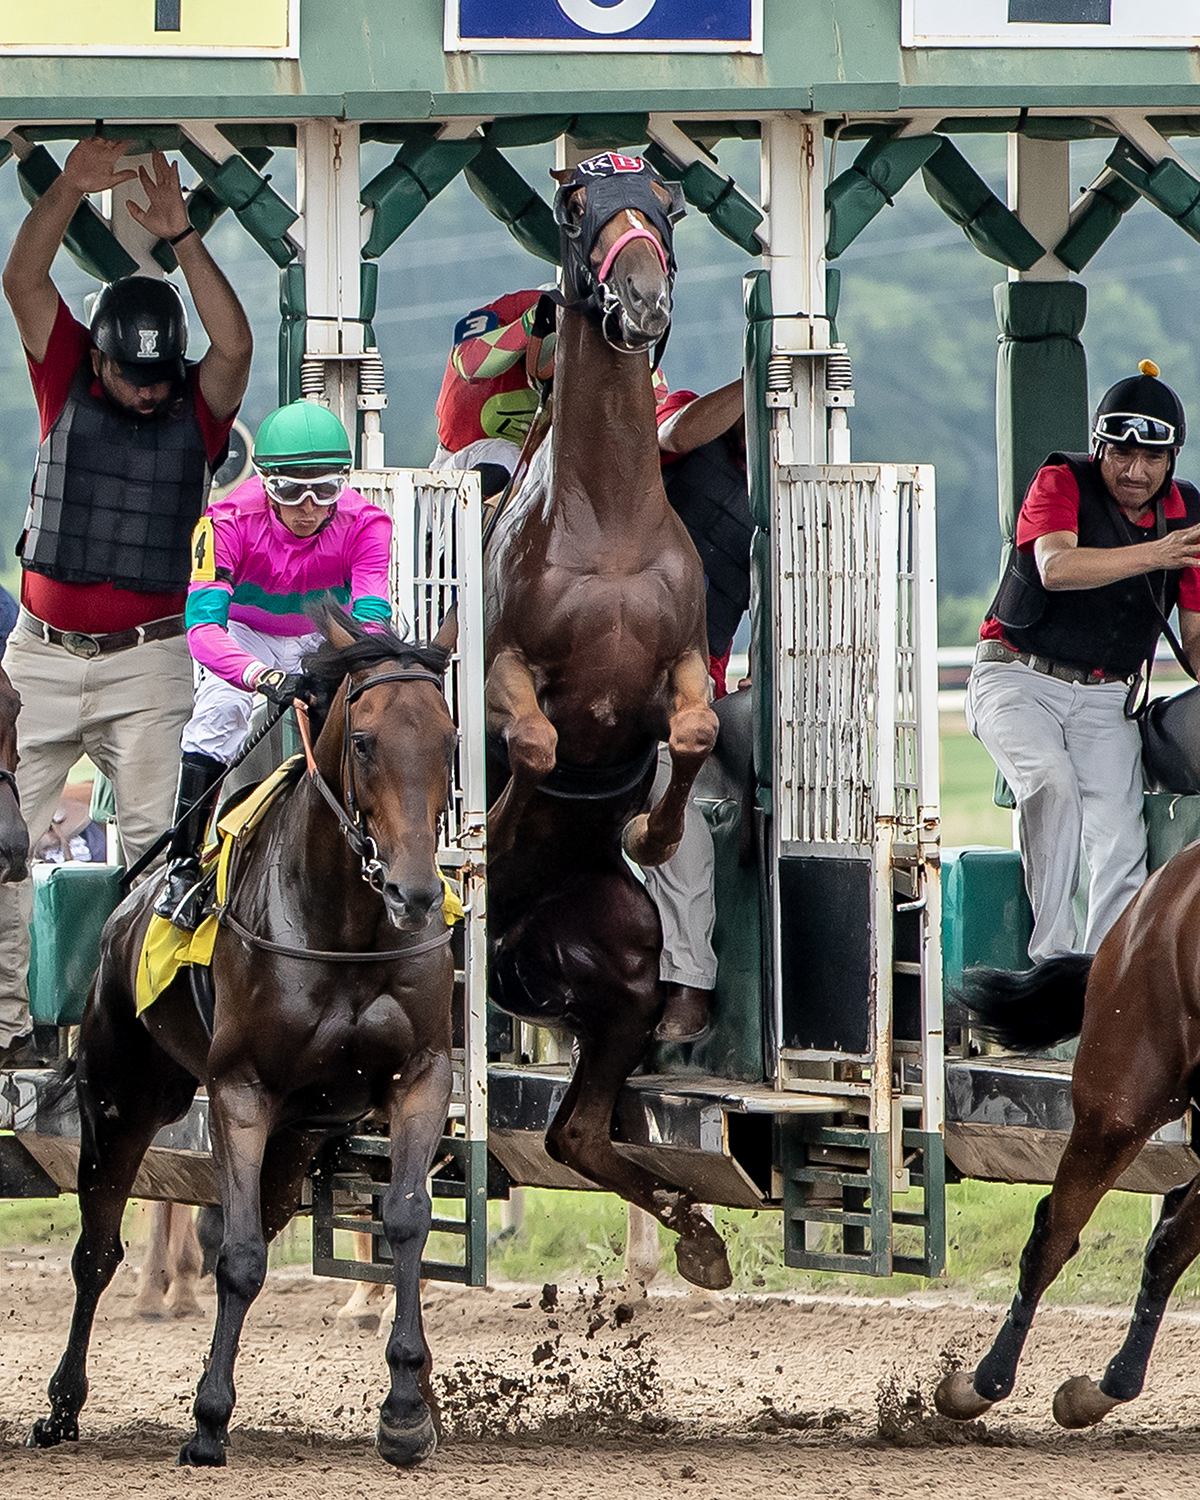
point(79, 643)
point(1063, 671)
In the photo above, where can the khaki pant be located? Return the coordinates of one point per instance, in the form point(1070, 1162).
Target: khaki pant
point(126, 711)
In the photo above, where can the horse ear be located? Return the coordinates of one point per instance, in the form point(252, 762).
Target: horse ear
point(562, 175)
point(447, 632)
point(339, 636)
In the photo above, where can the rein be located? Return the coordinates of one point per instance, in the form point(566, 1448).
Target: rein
point(353, 828)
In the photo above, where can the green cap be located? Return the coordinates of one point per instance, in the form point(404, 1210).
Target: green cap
point(301, 435)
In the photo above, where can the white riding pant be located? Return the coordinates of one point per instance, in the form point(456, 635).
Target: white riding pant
point(682, 890)
point(220, 718)
point(481, 451)
point(1074, 764)
point(125, 711)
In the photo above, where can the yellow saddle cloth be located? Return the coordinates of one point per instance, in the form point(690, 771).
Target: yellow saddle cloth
point(166, 948)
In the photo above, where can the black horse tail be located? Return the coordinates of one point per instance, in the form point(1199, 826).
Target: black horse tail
point(59, 1086)
point(1028, 1011)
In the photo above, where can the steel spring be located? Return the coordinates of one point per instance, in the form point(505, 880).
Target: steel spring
point(371, 378)
point(839, 375)
point(312, 379)
point(779, 372)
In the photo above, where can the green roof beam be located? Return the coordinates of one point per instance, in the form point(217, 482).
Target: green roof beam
point(717, 196)
point(1167, 184)
point(1105, 203)
point(236, 183)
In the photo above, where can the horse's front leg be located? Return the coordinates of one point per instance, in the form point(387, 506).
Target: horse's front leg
point(652, 838)
point(240, 1128)
point(419, 1100)
point(531, 740)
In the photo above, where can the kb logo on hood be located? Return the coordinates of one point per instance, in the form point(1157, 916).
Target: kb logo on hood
point(147, 343)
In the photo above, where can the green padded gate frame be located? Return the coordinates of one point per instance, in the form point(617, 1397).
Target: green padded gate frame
point(353, 1166)
point(841, 1175)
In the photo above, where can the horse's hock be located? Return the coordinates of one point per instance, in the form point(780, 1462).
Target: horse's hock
point(823, 1088)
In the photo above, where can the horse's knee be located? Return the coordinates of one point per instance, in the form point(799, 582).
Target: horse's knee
point(532, 745)
point(242, 1268)
point(406, 1216)
point(693, 733)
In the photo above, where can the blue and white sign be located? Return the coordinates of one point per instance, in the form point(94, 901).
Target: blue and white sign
point(1050, 23)
point(603, 26)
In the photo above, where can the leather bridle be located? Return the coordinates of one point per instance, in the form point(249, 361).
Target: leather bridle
point(353, 828)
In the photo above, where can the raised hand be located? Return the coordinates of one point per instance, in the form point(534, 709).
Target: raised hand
point(166, 215)
point(91, 166)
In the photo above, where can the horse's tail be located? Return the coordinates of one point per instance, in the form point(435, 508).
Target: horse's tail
point(1028, 1011)
point(60, 1086)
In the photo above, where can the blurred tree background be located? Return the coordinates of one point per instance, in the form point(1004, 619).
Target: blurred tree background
point(916, 311)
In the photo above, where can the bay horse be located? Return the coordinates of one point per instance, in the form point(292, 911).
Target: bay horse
point(333, 979)
point(1135, 1007)
point(595, 651)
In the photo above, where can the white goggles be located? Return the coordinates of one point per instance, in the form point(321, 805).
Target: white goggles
point(321, 489)
point(1132, 427)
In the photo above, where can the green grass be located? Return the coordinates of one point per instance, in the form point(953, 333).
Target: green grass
point(969, 816)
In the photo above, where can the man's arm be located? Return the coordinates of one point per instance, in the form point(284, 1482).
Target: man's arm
point(91, 167)
point(1189, 637)
point(701, 420)
point(1064, 564)
point(225, 369)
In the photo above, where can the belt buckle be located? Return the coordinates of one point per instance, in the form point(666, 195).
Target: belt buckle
point(78, 643)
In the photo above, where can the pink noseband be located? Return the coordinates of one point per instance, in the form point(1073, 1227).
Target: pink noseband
point(619, 245)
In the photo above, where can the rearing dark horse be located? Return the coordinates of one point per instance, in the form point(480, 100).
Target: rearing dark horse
point(1136, 1010)
point(595, 647)
point(333, 981)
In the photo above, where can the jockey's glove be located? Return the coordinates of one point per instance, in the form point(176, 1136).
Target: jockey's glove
point(280, 687)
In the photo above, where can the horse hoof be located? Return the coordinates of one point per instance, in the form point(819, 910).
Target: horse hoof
point(1079, 1402)
point(405, 1446)
point(48, 1432)
point(361, 1322)
point(957, 1398)
point(199, 1453)
point(704, 1264)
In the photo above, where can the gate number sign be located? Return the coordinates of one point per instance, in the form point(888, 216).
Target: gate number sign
point(1050, 23)
point(149, 28)
point(603, 26)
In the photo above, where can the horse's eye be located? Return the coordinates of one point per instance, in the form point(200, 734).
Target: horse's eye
point(363, 745)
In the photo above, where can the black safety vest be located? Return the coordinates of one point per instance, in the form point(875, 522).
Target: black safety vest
point(115, 497)
point(1111, 629)
point(707, 489)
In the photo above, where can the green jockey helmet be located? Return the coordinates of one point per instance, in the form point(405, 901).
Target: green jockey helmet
point(301, 435)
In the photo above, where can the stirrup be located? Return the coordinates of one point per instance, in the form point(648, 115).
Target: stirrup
point(181, 899)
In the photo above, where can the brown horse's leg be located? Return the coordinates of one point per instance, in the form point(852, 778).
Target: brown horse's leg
point(652, 838)
point(419, 1101)
point(1172, 1248)
point(1097, 1153)
point(127, 1089)
point(531, 741)
point(154, 1279)
point(185, 1259)
point(580, 1136)
point(241, 1128)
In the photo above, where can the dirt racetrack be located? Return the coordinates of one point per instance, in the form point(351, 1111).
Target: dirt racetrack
point(695, 1398)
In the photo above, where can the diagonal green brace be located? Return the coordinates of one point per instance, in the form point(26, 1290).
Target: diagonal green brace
point(872, 181)
point(505, 193)
point(717, 197)
point(89, 241)
point(408, 184)
point(260, 210)
point(960, 192)
point(1168, 185)
point(1109, 199)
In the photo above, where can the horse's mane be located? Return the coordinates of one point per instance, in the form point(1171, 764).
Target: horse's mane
point(328, 666)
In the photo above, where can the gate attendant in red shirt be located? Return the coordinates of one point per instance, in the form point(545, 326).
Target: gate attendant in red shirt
point(130, 431)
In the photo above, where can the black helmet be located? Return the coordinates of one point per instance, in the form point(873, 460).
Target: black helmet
point(1141, 410)
point(140, 322)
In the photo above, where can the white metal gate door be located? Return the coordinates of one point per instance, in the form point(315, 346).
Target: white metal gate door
point(855, 829)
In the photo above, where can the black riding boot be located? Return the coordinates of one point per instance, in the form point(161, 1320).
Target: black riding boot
point(198, 775)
